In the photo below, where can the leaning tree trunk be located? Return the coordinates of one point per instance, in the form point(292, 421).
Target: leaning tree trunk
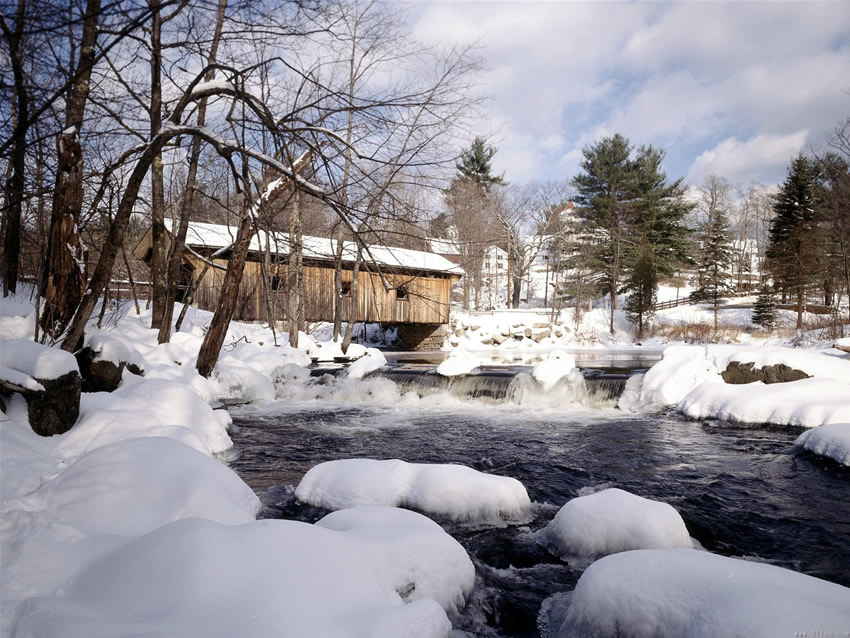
point(214, 338)
point(63, 280)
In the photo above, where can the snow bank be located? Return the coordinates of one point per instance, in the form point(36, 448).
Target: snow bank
point(457, 363)
point(688, 377)
point(553, 368)
point(455, 492)
point(200, 578)
point(613, 521)
point(168, 403)
point(807, 402)
point(17, 318)
point(36, 360)
point(684, 592)
point(372, 359)
point(832, 440)
point(417, 556)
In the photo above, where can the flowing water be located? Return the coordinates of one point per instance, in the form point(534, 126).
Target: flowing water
point(742, 491)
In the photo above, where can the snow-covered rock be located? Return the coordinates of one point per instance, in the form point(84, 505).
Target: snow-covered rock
point(372, 359)
point(417, 556)
point(107, 348)
point(611, 521)
point(457, 363)
point(553, 368)
point(685, 592)
point(454, 492)
point(832, 440)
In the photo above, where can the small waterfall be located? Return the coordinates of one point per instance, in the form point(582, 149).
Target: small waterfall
point(488, 384)
point(515, 385)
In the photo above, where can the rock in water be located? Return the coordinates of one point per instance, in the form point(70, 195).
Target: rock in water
point(738, 373)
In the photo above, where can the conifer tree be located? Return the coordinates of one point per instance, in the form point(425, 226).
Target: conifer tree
point(715, 278)
point(642, 285)
point(475, 165)
point(793, 249)
point(764, 312)
point(627, 198)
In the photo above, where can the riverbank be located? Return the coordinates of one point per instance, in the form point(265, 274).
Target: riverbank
point(130, 523)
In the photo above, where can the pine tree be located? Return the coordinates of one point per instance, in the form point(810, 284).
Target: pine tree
point(715, 279)
point(625, 198)
point(642, 285)
point(764, 312)
point(475, 165)
point(793, 249)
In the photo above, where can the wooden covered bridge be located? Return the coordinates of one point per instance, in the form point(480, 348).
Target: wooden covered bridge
point(417, 301)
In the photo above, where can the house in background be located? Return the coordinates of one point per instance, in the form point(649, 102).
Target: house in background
point(417, 301)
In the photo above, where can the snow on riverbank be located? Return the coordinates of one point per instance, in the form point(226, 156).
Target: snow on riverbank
point(128, 525)
point(832, 440)
point(454, 492)
point(685, 592)
point(688, 378)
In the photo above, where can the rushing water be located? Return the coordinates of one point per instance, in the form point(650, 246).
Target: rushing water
point(742, 491)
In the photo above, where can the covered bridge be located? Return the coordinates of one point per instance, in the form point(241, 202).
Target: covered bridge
point(417, 301)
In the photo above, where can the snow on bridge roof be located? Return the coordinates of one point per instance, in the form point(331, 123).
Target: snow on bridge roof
point(203, 235)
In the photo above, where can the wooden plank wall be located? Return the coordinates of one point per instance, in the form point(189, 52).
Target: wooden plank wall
point(427, 297)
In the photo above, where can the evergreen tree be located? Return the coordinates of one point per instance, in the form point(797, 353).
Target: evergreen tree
point(642, 285)
point(764, 312)
point(467, 200)
point(625, 198)
point(793, 248)
point(715, 278)
point(475, 165)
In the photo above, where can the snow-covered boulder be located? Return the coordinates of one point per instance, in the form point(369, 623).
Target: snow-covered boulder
point(372, 359)
point(457, 363)
point(198, 578)
point(832, 440)
point(685, 592)
point(453, 492)
point(417, 556)
point(611, 521)
point(553, 368)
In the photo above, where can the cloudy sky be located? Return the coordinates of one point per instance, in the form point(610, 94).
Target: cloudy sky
point(735, 89)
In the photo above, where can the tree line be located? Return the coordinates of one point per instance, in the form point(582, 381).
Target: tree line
point(620, 227)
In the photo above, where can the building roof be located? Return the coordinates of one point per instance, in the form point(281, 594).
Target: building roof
point(214, 236)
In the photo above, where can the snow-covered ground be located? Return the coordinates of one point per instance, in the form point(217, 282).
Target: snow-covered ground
point(129, 524)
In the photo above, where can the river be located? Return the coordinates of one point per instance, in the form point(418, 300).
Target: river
point(742, 491)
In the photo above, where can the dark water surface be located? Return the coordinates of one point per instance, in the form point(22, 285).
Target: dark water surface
point(742, 491)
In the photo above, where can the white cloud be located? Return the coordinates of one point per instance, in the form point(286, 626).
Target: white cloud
point(756, 159)
point(683, 76)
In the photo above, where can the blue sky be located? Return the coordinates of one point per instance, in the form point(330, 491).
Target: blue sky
point(735, 89)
